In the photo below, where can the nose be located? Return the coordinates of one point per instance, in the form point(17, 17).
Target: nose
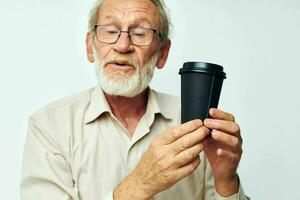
point(123, 45)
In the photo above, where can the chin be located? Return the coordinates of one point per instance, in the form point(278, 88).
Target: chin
point(121, 85)
point(125, 83)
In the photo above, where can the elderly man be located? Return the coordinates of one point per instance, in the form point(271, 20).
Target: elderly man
point(123, 140)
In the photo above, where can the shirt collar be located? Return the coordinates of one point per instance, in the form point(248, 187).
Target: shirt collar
point(157, 104)
point(98, 105)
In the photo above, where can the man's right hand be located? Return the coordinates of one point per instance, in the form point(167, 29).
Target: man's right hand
point(171, 156)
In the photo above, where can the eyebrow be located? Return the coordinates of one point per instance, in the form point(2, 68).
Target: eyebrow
point(142, 19)
point(135, 21)
point(109, 17)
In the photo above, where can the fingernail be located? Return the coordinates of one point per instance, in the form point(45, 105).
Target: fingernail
point(199, 121)
point(214, 133)
point(208, 121)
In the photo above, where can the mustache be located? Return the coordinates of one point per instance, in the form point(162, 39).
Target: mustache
point(120, 59)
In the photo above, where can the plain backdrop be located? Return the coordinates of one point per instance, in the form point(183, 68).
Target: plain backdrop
point(42, 58)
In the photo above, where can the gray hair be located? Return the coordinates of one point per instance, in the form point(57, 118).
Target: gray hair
point(164, 28)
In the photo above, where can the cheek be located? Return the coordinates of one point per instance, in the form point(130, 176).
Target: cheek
point(143, 56)
point(103, 51)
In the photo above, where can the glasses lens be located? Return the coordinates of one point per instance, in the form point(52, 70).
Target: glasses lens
point(141, 36)
point(107, 34)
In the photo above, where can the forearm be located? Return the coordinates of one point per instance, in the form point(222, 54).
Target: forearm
point(130, 189)
point(228, 187)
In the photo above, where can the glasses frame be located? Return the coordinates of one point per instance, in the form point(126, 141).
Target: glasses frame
point(156, 32)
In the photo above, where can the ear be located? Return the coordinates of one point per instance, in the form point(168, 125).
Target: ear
point(163, 55)
point(89, 49)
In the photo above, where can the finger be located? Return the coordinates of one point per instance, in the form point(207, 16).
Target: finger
point(187, 169)
point(227, 139)
point(229, 127)
point(189, 140)
point(188, 155)
point(173, 133)
point(220, 114)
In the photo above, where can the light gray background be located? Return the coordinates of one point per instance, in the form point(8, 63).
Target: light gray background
point(42, 58)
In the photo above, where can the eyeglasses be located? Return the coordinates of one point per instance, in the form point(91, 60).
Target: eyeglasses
point(110, 34)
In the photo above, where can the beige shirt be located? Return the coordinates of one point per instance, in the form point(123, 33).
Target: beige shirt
point(77, 149)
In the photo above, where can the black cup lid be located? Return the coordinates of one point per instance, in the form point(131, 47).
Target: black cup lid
point(203, 67)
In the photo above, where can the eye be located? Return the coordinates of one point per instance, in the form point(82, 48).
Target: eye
point(139, 32)
point(110, 30)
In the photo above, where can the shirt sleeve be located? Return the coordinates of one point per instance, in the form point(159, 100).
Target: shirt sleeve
point(238, 196)
point(209, 190)
point(46, 173)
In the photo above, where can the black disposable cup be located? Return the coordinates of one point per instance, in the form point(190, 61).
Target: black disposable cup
point(201, 85)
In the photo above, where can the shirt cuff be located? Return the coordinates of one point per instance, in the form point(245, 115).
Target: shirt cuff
point(108, 196)
point(238, 196)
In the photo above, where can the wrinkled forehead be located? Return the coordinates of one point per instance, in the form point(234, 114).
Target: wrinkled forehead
point(129, 12)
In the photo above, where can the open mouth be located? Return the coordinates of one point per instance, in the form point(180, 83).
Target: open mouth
point(121, 64)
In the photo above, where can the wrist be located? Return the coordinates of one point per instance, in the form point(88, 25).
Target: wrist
point(130, 189)
point(227, 187)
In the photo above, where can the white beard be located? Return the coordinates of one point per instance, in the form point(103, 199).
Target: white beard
point(120, 83)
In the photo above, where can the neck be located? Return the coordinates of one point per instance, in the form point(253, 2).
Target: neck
point(128, 110)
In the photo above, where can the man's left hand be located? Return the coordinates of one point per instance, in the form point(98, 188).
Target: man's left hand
point(223, 150)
